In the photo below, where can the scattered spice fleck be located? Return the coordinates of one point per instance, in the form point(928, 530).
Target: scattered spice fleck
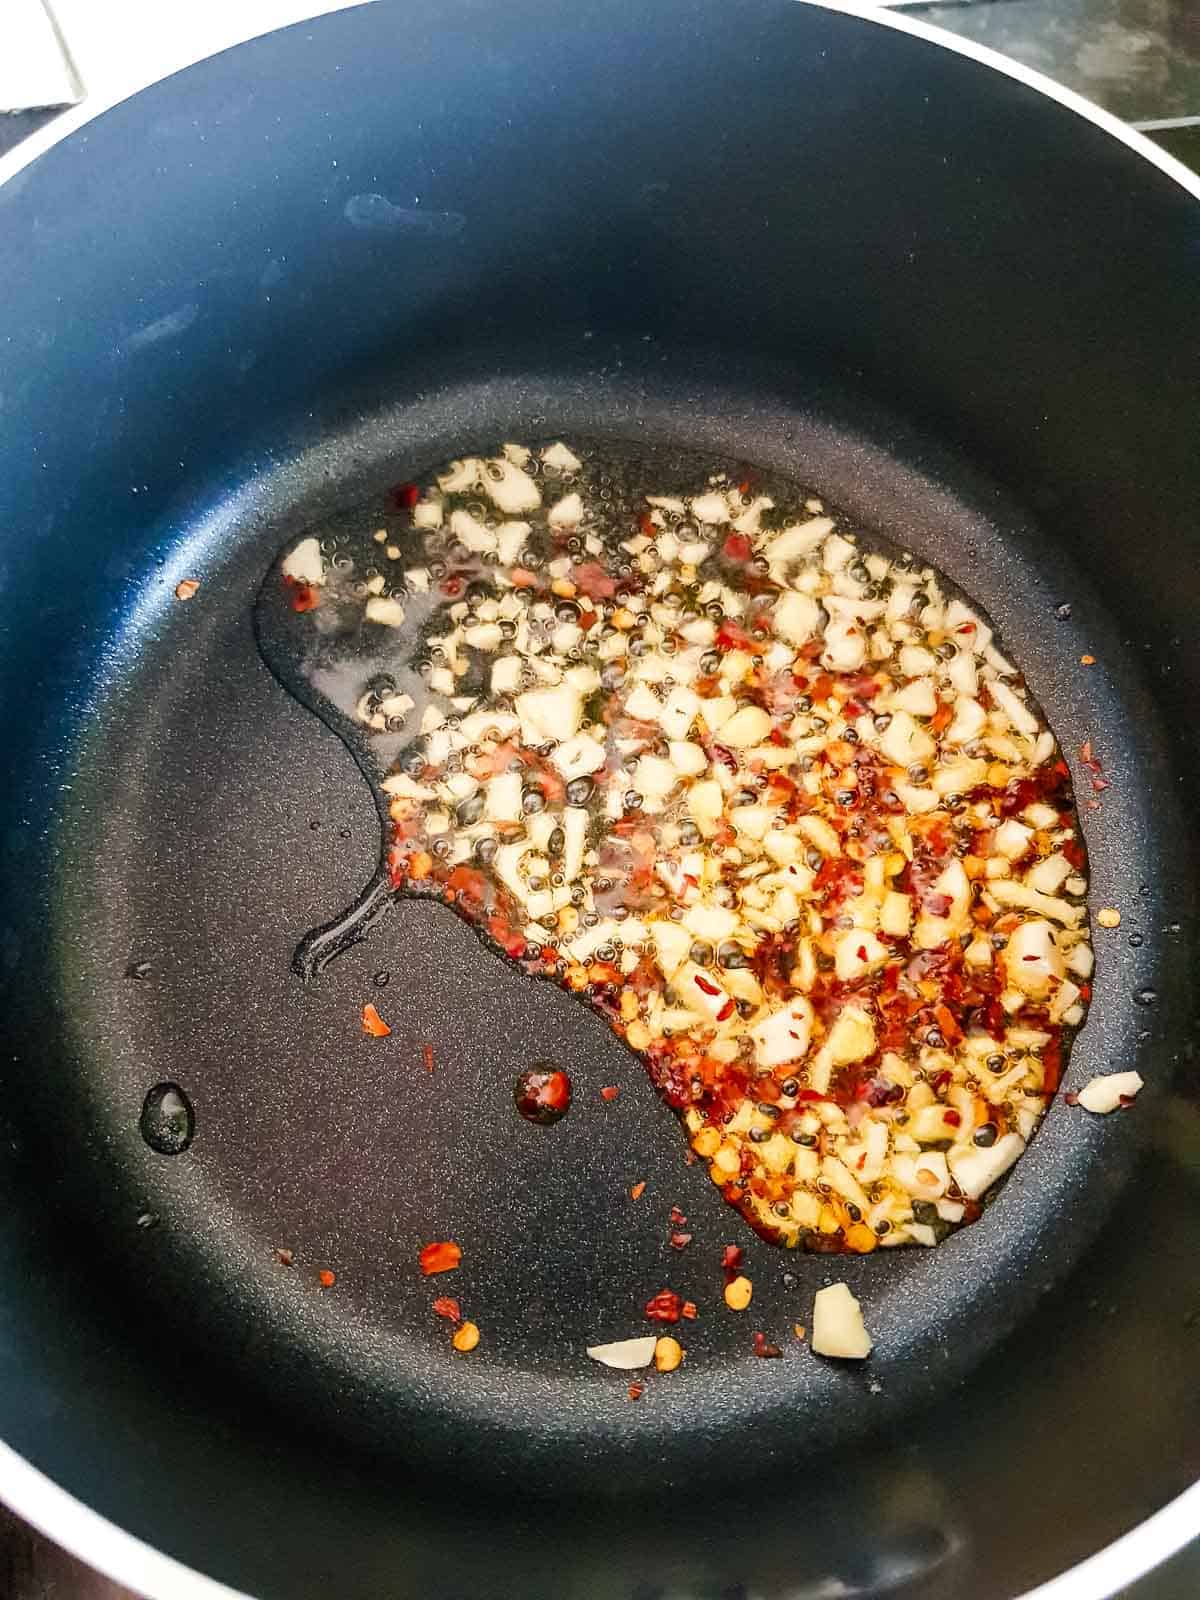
point(285, 1258)
point(441, 1256)
point(427, 1057)
point(637, 1191)
point(636, 1391)
point(404, 497)
point(610, 1091)
point(738, 1293)
point(798, 1329)
point(373, 1023)
point(668, 1353)
point(447, 1307)
point(466, 1337)
point(1108, 917)
point(1087, 661)
point(1071, 1097)
point(688, 1310)
point(678, 1219)
point(186, 588)
point(326, 1278)
point(731, 1262)
point(680, 1241)
point(665, 1306)
point(769, 1352)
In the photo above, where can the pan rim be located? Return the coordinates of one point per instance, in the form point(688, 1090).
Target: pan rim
point(130, 1561)
point(876, 11)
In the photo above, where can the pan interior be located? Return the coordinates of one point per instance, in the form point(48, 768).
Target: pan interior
point(212, 820)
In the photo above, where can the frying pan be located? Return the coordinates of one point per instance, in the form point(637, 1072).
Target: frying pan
point(240, 307)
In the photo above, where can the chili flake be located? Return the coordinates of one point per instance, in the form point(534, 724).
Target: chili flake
point(186, 588)
point(665, 1306)
point(373, 1023)
point(441, 1256)
point(636, 1391)
point(610, 1091)
point(285, 1258)
point(769, 1352)
point(446, 1306)
point(326, 1278)
point(637, 1191)
point(427, 1057)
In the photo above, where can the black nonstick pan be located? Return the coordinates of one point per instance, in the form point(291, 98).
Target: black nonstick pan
point(241, 308)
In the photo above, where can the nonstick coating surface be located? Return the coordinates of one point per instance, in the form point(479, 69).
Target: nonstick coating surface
point(212, 821)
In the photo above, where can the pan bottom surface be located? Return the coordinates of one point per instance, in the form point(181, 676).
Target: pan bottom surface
point(212, 821)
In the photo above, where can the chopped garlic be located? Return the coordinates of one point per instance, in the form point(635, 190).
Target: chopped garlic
point(1107, 1091)
point(838, 1328)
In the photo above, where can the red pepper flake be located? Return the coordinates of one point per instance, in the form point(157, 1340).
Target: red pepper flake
point(447, 1307)
point(737, 547)
point(1087, 661)
point(680, 1241)
point(665, 1306)
point(427, 1057)
point(285, 1258)
point(305, 596)
point(404, 496)
point(636, 1391)
point(1100, 784)
point(952, 1119)
point(688, 1310)
point(1071, 1097)
point(637, 1191)
point(648, 525)
point(186, 588)
point(591, 579)
point(731, 1261)
point(677, 1217)
point(441, 1256)
point(768, 1351)
point(373, 1023)
point(862, 956)
point(965, 627)
point(706, 986)
point(326, 1278)
point(610, 1091)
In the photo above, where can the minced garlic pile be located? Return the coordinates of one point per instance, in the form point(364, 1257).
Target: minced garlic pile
point(773, 801)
